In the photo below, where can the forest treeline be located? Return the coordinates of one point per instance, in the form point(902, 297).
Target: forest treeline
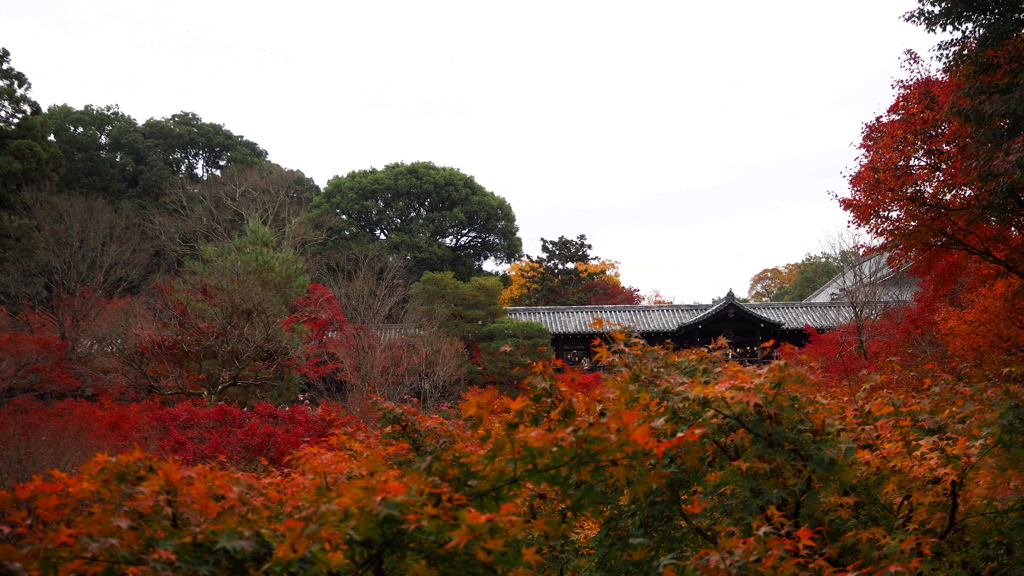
point(448, 441)
point(173, 257)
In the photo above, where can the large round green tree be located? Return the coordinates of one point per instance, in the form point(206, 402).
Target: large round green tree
point(442, 219)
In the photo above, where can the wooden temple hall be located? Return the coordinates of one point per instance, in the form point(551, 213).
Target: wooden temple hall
point(746, 325)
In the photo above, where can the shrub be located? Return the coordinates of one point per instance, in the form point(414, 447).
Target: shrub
point(246, 439)
point(36, 436)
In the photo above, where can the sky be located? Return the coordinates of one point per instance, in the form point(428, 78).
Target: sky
point(696, 143)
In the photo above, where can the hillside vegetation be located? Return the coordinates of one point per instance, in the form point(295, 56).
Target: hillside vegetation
point(209, 365)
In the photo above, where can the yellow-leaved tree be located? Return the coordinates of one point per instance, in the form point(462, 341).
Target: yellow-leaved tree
point(566, 275)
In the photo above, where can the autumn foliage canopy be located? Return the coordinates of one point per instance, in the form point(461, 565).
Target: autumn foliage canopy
point(679, 463)
point(159, 429)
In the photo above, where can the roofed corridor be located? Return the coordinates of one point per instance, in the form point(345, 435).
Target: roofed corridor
point(746, 325)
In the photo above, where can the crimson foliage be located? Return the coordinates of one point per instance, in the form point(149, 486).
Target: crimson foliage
point(33, 358)
point(40, 436)
point(243, 439)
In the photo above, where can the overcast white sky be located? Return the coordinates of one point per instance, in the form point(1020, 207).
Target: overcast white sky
point(695, 142)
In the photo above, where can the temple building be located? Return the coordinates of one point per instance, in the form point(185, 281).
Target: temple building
point(863, 290)
point(746, 325)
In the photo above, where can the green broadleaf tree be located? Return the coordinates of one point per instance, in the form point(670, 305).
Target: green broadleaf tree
point(442, 219)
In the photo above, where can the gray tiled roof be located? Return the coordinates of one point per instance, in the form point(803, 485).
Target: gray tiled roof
point(730, 299)
point(796, 315)
point(870, 277)
point(389, 331)
point(669, 317)
point(577, 319)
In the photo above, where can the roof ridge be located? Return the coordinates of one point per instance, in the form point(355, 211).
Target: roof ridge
point(610, 307)
point(729, 300)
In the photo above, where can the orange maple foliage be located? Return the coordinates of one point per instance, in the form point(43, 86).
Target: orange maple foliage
point(985, 329)
point(680, 463)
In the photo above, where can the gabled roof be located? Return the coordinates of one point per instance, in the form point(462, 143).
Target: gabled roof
point(667, 318)
point(874, 273)
point(721, 307)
